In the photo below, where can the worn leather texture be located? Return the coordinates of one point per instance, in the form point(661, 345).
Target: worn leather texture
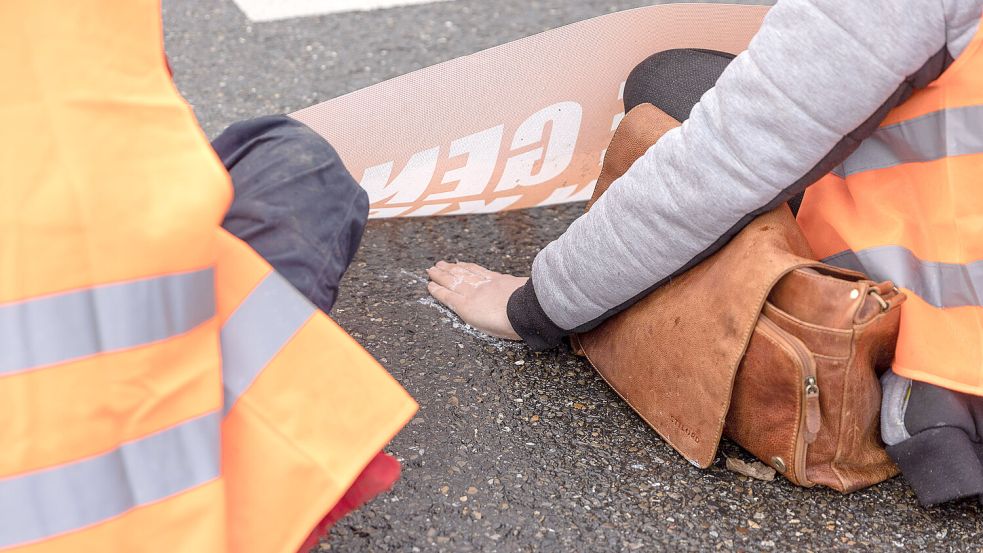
point(695, 356)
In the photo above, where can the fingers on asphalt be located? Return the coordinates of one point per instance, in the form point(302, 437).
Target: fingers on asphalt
point(443, 277)
point(443, 295)
point(478, 269)
point(461, 268)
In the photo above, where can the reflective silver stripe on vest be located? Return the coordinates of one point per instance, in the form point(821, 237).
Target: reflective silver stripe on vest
point(258, 329)
point(945, 133)
point(70, 497)
point(939, 284)
point(54, 329)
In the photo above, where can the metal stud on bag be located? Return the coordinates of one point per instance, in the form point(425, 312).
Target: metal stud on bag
point(779, 464)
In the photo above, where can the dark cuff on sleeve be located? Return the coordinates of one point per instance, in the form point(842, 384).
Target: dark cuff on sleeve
point(530, 322)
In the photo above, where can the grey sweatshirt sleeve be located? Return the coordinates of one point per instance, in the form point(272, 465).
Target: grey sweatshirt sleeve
point(817, 78)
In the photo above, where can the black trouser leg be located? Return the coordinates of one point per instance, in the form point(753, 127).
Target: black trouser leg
point(674, 80)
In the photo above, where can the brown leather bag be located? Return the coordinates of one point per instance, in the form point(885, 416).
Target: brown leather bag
point(758, 341)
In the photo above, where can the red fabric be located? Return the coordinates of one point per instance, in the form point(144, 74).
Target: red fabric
point(377, 477)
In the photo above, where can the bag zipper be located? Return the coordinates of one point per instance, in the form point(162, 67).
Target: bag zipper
point(810, 416)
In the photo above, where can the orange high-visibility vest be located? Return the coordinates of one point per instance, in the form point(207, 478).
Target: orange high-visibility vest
point(908, 206)
point(161, 387)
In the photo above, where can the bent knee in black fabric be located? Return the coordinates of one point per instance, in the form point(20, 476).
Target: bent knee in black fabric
point(674, 80)
point(295, 202)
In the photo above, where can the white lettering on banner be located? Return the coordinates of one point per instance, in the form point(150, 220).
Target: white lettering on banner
point(387, 212)
point(480, 206)
point(425, 142)
point(411, 183)
point(559, 148)
point(428, 209)
point(617, 121)
point(481, 149)
point(552, 131)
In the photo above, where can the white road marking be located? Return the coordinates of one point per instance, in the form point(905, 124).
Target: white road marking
point(271, 10)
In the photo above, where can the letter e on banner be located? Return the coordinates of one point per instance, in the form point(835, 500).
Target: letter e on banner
point(481, 149)
point(412, 181)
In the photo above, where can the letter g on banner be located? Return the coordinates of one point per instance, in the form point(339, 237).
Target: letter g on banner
point(521, 170)
point(520, 125)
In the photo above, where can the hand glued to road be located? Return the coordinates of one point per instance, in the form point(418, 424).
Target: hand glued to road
point(477, 295)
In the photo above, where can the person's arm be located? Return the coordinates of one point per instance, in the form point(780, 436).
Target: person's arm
point(817, 79)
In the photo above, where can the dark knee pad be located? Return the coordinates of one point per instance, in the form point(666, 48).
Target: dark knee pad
point(295, 202)
point(674, 80)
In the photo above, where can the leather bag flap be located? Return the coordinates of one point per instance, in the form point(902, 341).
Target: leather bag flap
point(674, 355)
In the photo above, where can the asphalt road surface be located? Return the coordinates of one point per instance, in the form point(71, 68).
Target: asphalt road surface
point(511, 450)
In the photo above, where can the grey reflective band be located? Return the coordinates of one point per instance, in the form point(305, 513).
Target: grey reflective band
point(63, 327)
point(69, 497)
point(945, 133)
point(939, 284)
point(258, 329)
